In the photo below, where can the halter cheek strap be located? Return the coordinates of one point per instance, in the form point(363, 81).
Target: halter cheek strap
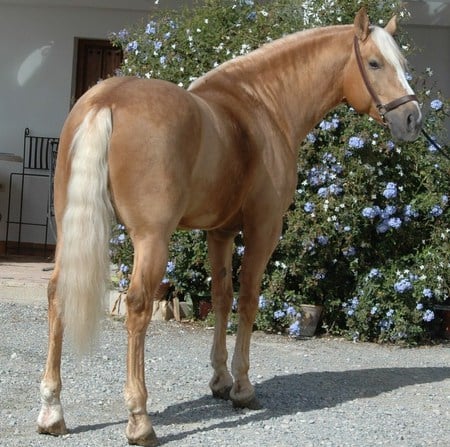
point(382, 108)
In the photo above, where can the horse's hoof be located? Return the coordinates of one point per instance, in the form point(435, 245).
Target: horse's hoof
point(149, 440)
point(252, 404)
point(56, 429)
point(224, 393)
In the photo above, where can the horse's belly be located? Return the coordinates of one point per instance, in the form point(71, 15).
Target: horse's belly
point(213, 207)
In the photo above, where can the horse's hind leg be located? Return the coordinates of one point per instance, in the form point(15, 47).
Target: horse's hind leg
point(150, 260)
point(220, 246)
point(259, 245)
point(51, 419)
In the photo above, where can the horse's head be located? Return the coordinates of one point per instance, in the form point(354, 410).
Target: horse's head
point(375, 80)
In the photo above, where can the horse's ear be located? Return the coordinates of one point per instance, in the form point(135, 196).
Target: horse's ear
point(362, 24)
point(391, 27)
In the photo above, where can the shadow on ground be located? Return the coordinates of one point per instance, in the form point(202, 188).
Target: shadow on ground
point(291, 394)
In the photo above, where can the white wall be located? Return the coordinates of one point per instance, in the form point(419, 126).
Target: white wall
point(36, 57)
point(429, 27)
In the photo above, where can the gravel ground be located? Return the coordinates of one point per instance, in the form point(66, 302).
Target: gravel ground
point(316, 392)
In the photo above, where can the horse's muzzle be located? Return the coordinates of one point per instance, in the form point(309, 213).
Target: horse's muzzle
point(405, 121)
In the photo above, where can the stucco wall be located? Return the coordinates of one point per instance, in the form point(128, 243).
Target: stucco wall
point(37, 54)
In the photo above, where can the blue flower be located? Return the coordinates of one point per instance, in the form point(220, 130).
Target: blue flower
point(328, 158)
point(163, 60)
point(124, 268)
point(170, 267)
point(428, 315)
point(369, 212)
point(444, 199)
point(427, 293)
point(279, 314)
point(290, 310)
point(323, 192)
point(317, 176)
point(329, 125)
point(150, 28)
point(121, 238)
point(436, 211)
point(390, 191)
point(390, 145)
point(294, 329)
point(419, 306)
point(311, 138)
point(319, 274)
point(123, 283)
point(251, 16)
point(409, 212)
point(356, 142)
point(382, 227)
point(132, 46)
point(337, 169)
point(374, 273)
point(322, 240)
point(309, 207)
point(348, 252)
point(395, 222)
point(262, 304)
point(157, 45)
point(122, 34)
point(436, 104)
point(432, 148)
point(388, 211)
point(403, 286)
point(335, 190)
point(374, 310)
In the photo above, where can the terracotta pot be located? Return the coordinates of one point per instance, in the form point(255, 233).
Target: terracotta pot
point(310, 318)
point(201, 306)
point(444, 313)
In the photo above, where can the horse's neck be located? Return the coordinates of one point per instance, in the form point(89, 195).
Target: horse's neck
point(297, 79)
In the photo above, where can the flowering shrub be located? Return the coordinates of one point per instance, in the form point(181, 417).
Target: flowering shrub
point(368, 232)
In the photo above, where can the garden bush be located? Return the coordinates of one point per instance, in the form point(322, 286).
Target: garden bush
point(367, 234)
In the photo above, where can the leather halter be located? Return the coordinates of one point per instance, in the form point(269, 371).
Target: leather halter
point(382, 108)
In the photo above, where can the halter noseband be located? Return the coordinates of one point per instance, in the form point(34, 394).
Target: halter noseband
point(382, 108)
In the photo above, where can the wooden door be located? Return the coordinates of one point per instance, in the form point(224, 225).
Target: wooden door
point(96, 59)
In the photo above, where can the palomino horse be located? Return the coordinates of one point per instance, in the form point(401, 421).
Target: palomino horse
point(221, 157)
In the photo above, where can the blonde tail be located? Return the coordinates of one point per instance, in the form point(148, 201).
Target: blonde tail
point(83, 256)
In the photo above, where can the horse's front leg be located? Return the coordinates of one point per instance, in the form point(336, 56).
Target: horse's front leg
point(150, 259)
point(51, 418)
point(259, 245)
point(220, 249)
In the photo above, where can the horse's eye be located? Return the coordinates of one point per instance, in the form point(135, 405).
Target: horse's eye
point(374, 64)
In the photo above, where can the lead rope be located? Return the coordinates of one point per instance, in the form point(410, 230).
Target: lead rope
point(442, 150)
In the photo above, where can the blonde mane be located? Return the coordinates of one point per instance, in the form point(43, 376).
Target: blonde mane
point(267, 52)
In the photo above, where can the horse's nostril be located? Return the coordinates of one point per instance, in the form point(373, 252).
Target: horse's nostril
point(411, 122)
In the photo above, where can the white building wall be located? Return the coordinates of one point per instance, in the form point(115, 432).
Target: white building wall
point(37, 53)
point(429, 28)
